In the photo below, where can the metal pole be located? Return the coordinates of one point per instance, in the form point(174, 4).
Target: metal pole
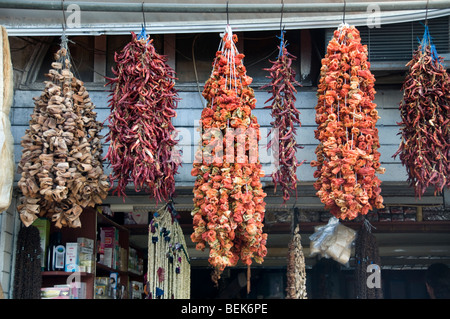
point(222, 8)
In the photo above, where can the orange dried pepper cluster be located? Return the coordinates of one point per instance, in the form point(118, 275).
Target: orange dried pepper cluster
point(347, 156)
point(229, 202)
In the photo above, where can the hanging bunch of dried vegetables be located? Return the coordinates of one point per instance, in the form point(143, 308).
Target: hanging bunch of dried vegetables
point(296, 271)
point(229, 202)
point(366, 254)
point(286, 117)
point(347, 156)
point(169, 269)
point(61, 164)
point(425, 127)
point(142, 147)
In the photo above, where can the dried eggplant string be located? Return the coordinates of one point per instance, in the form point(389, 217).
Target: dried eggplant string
point(347, 154)
point(228, 196)
point(61, 165)
point(424, 149)
point(286, 118)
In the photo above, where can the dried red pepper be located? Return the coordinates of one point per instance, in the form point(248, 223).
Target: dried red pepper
point(425, 127)
point(286, 118)
point(229, 203)
point(347, 155)
point(141, 134)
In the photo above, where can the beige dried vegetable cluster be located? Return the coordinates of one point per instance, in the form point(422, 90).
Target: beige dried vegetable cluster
point(296, 270)
point(61, 166)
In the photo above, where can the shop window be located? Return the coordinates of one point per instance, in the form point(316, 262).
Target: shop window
point(195, 53)
point(82, 52)
point(194, 56)
point(262, 47)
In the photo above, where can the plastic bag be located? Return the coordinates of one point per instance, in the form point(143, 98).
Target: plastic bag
point(6, 139)
point(332, 240)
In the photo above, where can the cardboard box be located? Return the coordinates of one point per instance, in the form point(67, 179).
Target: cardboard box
point(43, 225)
point(55, 292)
point(72, 257)
point(109, 238)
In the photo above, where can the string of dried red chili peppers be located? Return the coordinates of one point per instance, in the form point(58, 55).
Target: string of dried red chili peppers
point(347, 156)
point(285, 119)
point(425, 127)
point(228, 196)
point(141, 134)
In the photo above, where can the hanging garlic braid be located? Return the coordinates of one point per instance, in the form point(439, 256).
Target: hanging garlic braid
point(366, 253)
point(27, 275)
point(296, 273)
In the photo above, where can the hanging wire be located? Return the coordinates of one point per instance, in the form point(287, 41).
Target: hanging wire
point(64, 25)
point(426, 14)
point(343, 14)
point(282, 32)
point(228, 20)
point(143, 34)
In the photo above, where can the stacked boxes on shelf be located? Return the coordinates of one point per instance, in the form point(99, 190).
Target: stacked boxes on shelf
point(135, 264)
point(86, 254)
point(109, 250)
point(109, 287)
point(109, 246)
point(73, 290)
point(80, 255)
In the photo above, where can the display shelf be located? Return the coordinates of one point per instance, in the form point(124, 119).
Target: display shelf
point(103, 268)
point(91, 221)
point(65, 273)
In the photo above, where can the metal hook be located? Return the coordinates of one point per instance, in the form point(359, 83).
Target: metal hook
point(143, 15)
point(343, 13)
point(281, 18)
point(228, 20)
point(64, 25)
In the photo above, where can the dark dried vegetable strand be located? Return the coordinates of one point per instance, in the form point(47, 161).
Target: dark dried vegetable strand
point(142, 147)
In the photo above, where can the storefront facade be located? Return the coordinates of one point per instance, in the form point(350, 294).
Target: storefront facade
point(190, 45)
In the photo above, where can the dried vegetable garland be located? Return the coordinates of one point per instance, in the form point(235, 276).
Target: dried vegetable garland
point(229, 202)
point(425, 127)
point(286, 117)
point(27, 273)
point(61, 164)
point(141, 133)
point(169, 269)
point(296, 270)
point(347, 155)
point(7, 166)
point(366, 253)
